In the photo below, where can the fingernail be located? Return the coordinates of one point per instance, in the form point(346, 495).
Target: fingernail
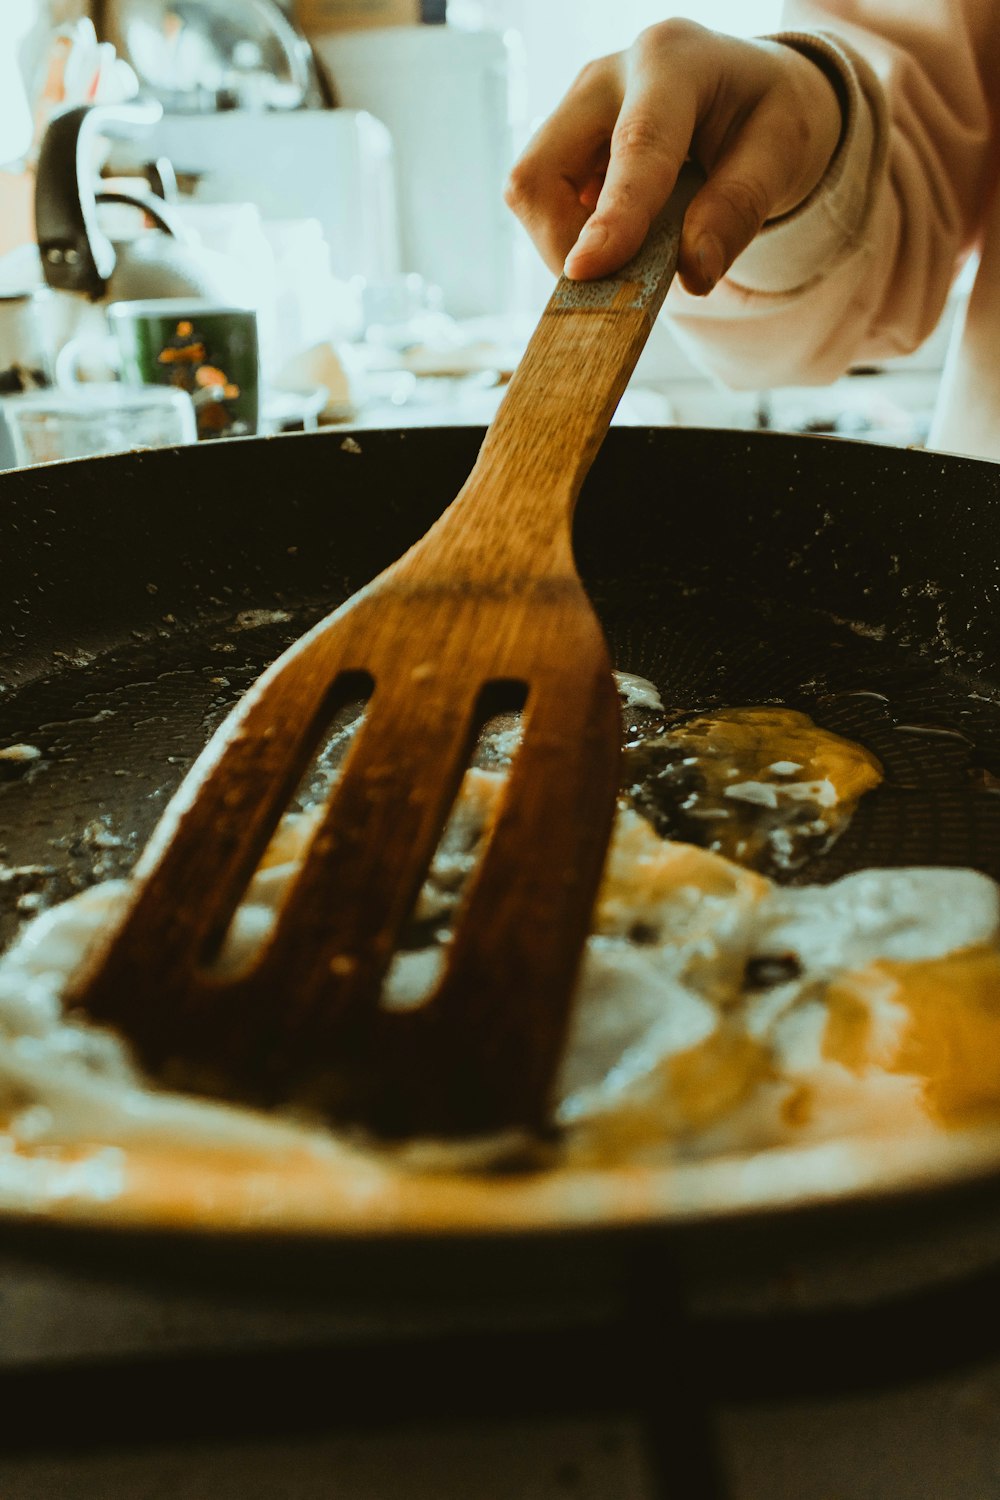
point(710, 259)
point(593, 237)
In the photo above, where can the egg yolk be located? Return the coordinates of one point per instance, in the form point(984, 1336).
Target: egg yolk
point(936, 1019)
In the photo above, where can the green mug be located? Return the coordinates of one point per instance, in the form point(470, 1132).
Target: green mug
point(200, 347)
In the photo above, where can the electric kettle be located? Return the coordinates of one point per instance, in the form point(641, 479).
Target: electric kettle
point(78, 256)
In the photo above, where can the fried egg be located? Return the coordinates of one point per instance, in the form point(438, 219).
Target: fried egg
point(716, 1011)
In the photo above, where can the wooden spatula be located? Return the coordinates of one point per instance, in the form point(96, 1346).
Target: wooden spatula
point(487, 604)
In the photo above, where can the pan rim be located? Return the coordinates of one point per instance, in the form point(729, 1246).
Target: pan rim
point(901, 1171)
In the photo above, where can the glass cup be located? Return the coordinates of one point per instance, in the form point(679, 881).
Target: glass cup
point(49, 425)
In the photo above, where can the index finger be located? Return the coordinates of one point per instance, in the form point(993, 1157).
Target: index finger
point(547, 186)
point(649, 145)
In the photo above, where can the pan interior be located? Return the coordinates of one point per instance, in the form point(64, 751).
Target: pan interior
point(115, 735)
point(759, 594)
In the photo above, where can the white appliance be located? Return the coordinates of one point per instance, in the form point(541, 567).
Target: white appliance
point(333, 165)
point(451, 99)
point(16, 17)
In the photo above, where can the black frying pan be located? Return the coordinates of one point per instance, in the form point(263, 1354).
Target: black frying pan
point(140, 594)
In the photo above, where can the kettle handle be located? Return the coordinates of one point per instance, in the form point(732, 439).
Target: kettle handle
point(164, 216)
point(77, 256)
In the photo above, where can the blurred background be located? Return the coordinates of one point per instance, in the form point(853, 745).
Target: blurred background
point(345, 160)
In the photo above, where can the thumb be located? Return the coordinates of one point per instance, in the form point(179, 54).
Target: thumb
point(756, 180)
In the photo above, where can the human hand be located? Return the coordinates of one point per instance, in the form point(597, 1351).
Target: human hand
point(762, 120)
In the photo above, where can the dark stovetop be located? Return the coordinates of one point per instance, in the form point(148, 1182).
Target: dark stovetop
point(899, 1402)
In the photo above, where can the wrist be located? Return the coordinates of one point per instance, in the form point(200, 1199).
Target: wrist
point(832, 221)
point(828, 95)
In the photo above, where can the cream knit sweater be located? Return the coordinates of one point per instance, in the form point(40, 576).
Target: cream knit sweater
point(862, 269)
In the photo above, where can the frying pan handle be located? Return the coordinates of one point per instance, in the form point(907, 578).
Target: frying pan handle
point(77, 255)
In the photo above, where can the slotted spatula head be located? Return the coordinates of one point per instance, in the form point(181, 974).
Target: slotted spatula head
point(486, 604)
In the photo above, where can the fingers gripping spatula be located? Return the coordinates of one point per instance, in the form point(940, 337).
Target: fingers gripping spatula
point(488, 600)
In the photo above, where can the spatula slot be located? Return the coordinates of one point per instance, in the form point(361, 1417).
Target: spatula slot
point(337, 737)
point(499, 735)
point(421, 954)
point(233, 948)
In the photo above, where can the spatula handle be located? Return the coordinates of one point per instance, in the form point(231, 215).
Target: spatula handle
point(519, 500)
point(642, 283)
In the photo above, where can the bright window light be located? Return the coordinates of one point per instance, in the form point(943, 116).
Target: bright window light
point(561, 35)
